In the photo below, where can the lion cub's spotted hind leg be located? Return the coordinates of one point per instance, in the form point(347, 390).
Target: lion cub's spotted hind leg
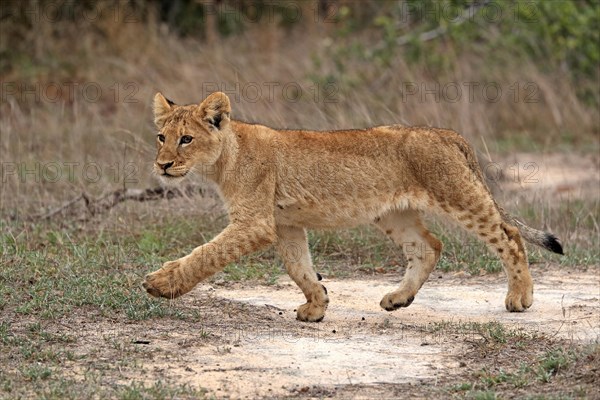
point(476, 211)
point(292, 246)
point(421, 249)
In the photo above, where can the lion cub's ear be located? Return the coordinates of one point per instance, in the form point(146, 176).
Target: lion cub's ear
point(162, 109)
point(215, 110)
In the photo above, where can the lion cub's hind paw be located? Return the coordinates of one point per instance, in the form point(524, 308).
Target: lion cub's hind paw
point(314, 311)
point(520, 295)
point(516, 302)
point(310, 312)
point(393, 301)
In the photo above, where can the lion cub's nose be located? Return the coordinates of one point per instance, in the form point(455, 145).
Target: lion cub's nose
point(165, 166)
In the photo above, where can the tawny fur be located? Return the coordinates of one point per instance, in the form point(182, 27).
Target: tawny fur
point(278, 183)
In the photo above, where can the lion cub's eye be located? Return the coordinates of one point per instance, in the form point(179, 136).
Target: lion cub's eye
point(185, 139)
point(161, 138)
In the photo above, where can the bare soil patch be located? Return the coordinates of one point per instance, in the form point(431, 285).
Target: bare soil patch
point(530, 177)
point(360, 344)
point(246, 342)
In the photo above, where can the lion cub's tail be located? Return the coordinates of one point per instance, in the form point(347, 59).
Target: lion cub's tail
point(543, 239)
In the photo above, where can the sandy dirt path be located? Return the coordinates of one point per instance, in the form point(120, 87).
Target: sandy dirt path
point(359, 343)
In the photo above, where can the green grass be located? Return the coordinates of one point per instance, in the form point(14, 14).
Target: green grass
point(41, 366)
point(482, 395)
point(553, 362)
point(492, 333)
point(542, 370)
point(491, 379)
point(43, 385)
point(49, 270)
point(527, 142)
point(52, 274)
point(157, 391)
point(515, 361)
point(266, 272)
point(348, 252)
point(461, 387)
point(464, 252)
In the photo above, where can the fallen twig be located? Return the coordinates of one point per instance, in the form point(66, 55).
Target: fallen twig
point(441, 30)
point(55, 211)
point(104, 203)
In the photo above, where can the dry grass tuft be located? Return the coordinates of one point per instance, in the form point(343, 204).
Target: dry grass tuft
point(58, 139)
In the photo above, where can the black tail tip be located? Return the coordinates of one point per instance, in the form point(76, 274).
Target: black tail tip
point(553, 244)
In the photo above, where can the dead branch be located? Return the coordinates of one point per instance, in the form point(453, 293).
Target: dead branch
point(441, 30)
point(95, 206)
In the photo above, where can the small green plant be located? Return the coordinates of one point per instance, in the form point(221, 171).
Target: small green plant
point(37, 372)
point(244, 271)
point(159, 390)
point(552, 363)
point(4, 332)
point(494, 332)
point(482, 395)
point(462, 387)
point(7, 384)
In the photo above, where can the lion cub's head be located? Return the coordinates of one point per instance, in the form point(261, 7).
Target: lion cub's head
point(190, 135)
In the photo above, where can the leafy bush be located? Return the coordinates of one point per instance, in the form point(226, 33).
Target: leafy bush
point(562, 37)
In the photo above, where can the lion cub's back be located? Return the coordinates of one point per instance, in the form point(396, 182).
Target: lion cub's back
point(344, 178)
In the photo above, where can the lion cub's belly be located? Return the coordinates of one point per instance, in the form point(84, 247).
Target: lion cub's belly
point(337, 213)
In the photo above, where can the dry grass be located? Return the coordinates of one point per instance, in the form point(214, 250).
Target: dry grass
point(54, 149)
point(109, 139)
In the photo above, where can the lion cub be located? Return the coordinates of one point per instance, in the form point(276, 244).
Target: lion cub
point(278, 183)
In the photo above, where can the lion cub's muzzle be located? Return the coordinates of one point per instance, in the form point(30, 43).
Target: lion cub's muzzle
point(167, 170)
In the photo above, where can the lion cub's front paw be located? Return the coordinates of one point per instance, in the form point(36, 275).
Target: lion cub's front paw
point(519, 297)
point(167, 282)
point(395, 300)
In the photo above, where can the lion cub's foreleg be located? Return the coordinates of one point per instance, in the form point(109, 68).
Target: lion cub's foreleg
point(292, 246)
point(421, 249)
point(180, 276)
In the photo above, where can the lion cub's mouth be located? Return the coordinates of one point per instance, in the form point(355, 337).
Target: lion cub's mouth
point(170, 179)
point(171, 173)
point(165, 174)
